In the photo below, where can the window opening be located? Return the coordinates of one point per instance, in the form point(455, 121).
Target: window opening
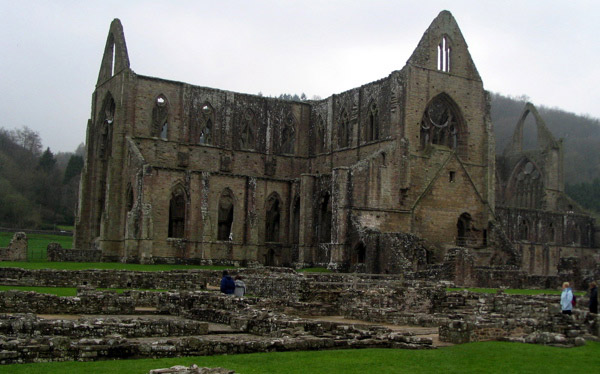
point(205, 124)
point(177, 214)
point(439, 124)
point(373, 126)
point(344, 131)
point(160, 116)
point(113, 61)
point(320, 135)
point(129, 198)
point(451, 176)
point(273, 219)
point(464, 228)
point(444, 55)
point(225, 216)
point(288, 135)
point(247, 129)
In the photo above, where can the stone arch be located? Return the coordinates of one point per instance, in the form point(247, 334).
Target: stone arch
point(103, 140)
point(225, 211)
point(273, 218)
point(115, 57)
point(177, 211)
point(525, 188)
point(443, 124)
point(160, 117)
point(545, 139)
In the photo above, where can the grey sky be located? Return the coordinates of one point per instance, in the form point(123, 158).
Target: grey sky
point(51, 50)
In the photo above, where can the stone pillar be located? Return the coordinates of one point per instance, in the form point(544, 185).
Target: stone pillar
point(341, 198)
point(307, 226)
point(17, 249)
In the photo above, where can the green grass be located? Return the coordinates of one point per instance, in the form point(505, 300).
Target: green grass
point(63, 291)
point(486, 357)
point(65, 227)
point(37, 243)
point(314, 270)
point(104, 266)
point(513, 291)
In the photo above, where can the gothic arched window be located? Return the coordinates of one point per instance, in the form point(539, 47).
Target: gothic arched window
point(344, 130)
point(177, 213)
point(206, 120)
point(373, 123)
point(273, 218)
point(321, 135)
point(225, 215)
point(247, 135)
point(440, 124)
point(160, 117)
point(288, 135)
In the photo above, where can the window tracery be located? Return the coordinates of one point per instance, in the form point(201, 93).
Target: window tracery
point(247, 130)
point(440, 124)
point(160, 116)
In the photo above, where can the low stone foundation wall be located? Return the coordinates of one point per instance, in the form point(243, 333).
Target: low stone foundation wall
point(87, 303)
point(31, 325)
point(55, 253)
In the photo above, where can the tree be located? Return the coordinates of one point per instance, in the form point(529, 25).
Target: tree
point(73, 169)
point(28, 139)
point(47, 161)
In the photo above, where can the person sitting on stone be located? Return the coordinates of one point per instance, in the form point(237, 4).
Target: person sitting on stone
point(227, 284)
point(240, 287)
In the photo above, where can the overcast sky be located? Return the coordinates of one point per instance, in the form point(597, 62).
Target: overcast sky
point(51, 50)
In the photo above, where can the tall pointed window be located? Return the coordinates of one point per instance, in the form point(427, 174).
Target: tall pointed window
point(247, 127)
point(273, 218)
point(288, 135)
point(444, 51)
point(373, 123)
point(440, 124)
point(344, 130)
point(177, 213)
point(107, 117)
point(321, 134)
point(160, 116)
point(206, 122)
point(225, 215)
point(296, 220)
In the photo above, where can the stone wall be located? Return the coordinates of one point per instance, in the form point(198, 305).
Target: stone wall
point(55, 253)
point(17, 248)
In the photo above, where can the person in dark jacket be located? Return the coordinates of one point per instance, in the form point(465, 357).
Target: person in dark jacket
point(227, 284)
point(593, 298)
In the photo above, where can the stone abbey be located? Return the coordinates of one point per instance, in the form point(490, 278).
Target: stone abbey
point(392, 176)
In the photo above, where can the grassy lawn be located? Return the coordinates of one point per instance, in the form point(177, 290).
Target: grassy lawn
point(37, 243)
point(104, 266)
point(62, 291)
point(512, 291)
point(485, 357)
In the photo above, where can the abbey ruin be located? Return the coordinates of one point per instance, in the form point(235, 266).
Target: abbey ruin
point(399, 175)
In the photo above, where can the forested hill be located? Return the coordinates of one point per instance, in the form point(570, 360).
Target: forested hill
point(580, 134)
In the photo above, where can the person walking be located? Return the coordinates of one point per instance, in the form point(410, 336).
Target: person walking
point(566, 299)
point(593, 298)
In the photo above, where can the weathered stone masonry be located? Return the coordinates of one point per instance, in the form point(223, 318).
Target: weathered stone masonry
point(182, 173)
